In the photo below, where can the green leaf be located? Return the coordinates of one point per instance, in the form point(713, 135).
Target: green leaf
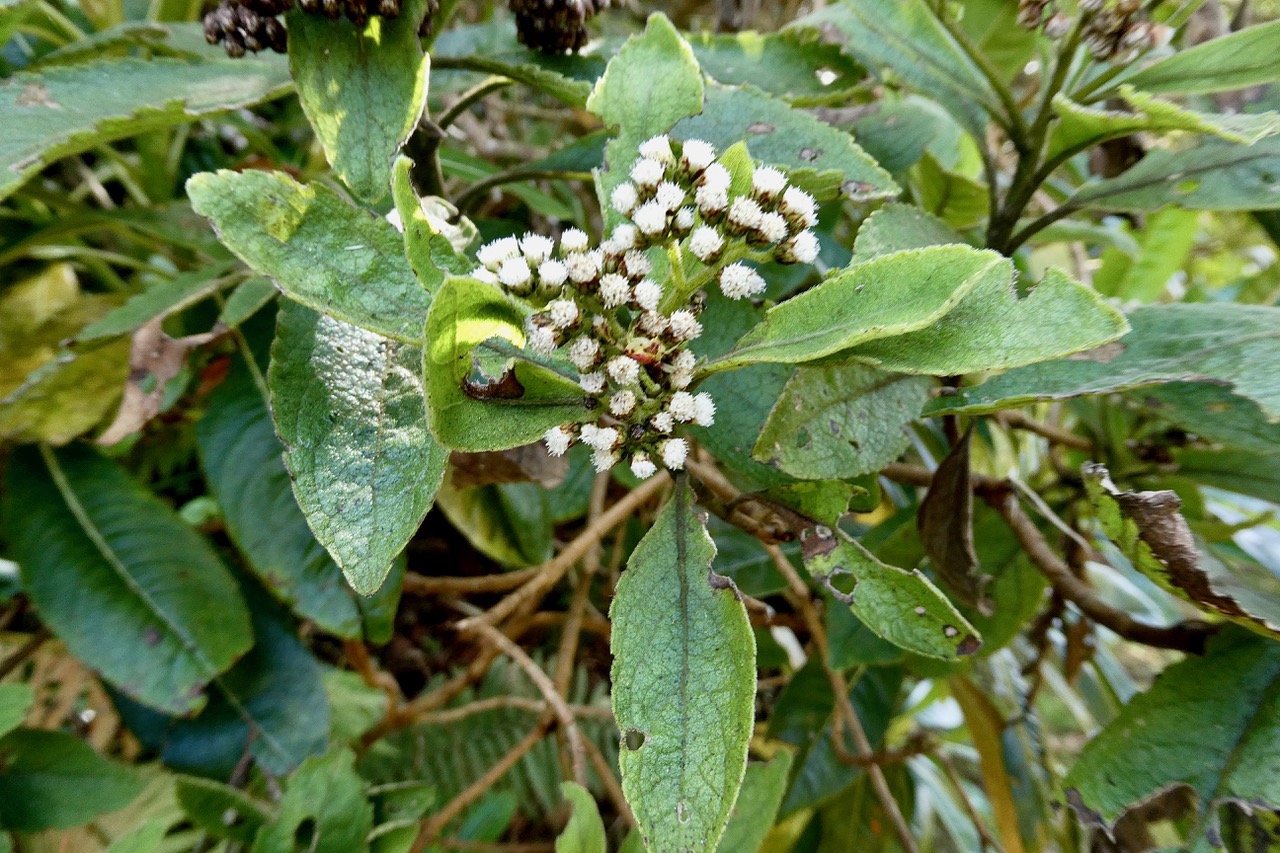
point(221, 810)
point(242, 461)
point(15, 700)
point(1235, 61)
point(958, 200)
point(350, 409)
point(144, 838)
point(64, 110)
point(569, 78)
point(992, 26)
point(818, 158)
point(325, 800)
point(55, 780)
point(782, 64)
point(246, 300)
point(1207, 723)
point(896, 226)
point(1164, 244)
point(321, 251)
point(509, 522)
point(648, 86)
point(1234, 345)
point(527, 400)
point(683, 684)
point(757, 805)
point(904, 37)
point(432, 244)
point(1080, 127)
point(840, 421)
point(99, 555)
point(362, 90)
point(1233, 470)
point(1213, 414)
point(1150, 531)
point(886, 296)
point(585, 831)
point(901, 606)
point(1215, 176)
point(992, 328)
point(160, 300)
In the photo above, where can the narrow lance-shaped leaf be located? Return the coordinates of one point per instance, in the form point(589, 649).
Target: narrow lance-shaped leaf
point(901, 606)
point(102, 559)
point(585, 831)
point(362, 89)
point(1234, 61)
point(350, 408)
point(683, 683)
point(321, 251)
point(68, 109)
point(757, 805)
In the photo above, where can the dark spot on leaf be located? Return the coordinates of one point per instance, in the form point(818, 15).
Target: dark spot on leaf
point(758, 127)
point(633, 739)
point(968, 645)
point(810, 154)
point(817, 541)
point(505, 387)
point(151, 637)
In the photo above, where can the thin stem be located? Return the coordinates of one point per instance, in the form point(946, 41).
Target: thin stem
point(469, 97)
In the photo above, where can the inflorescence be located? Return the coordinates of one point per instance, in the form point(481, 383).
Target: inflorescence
point(242, 26)
point(1113, 30)
point(555, 26)
point(626, 328)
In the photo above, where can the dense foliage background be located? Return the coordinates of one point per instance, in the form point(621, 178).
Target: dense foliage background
point(978, 550)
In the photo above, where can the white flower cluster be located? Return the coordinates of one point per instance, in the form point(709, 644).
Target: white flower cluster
point(603, 312)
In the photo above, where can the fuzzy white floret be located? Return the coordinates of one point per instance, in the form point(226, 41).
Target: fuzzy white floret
point(642, 466)
point(697, 155)
point(711, 200)
point(682, 406)
point(706, 243)
point(614, 290)
point(493, 254)
point(536, 248)
point(657, 148)
point(684, 326)
point(592, 383)
point(663, 422)
point(804, 247)
point(704, 410)
point(650, 218)
point(674, 452)
point(648, 294)
point(685, 218)
point(624, 370)
point(684, 360)
point(800, 204)
point(680, 379)
point(482, 274)
point(603, 460)
point(716, 176)
point(637, 264)
point(541, 340)
point(564, 313)
point(558, 440)
point(623, 239)
point(574, 240)
point(552, 273)
point(773, 227)
point(669, 195)
point(745, 213)
point(623, 198)
point(514, 272)
point(583, 266)
point(622, 403)
point(653, 323)
point(584, 352)
point(768, 182)
point(739, 280)
point(648, 172)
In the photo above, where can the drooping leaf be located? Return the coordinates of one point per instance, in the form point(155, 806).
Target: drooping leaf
point(781, 63)
point(818, 158)
point(241, 457)
point(1234, 61)
point(1231, 344)
point(221, 810)
point(889, 295)
point(432, 243)
point(509, 522)
point(648, 86)
point(1149, 529)
point(271, 703)
point(1207, 723)
point(683, 684)
point(470, 412)
point(901, 606)
point(362, 89)
point(15, 700)
point(492, 48)
point(753, 814)
point(905, 38)
point(350, 408)
point(585, 831)
point(321, 251)
point(840, 421)
point(1216, 175)
point(325, 798)
point(55, 780)
point(1080, 127)
point(945, 525)
point(100, 556)
point(64, 110)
